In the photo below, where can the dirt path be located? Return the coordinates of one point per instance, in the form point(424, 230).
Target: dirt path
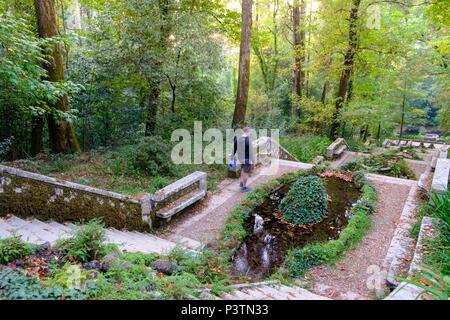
point(347, 280)
point(204, 221)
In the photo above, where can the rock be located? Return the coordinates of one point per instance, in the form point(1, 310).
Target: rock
point(44, 247)
point(108, 260)
point(148, 287)
point(164, 266)
point(92, 265)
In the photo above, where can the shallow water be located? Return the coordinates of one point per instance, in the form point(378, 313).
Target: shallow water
point(269, 240)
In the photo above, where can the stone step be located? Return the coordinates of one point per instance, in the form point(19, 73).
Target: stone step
point(256, 295)
point(59, 226)
point(24, 234)
point(273, 293)
point(132, 243)
point(187, 242)
point(239, 295)
point(38, 232)
point(32, 231)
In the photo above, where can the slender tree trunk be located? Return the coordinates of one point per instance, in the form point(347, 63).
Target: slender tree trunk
point(307, 84)
point(155, 83)
point(379, 131)
point(366, 132)
point(61, 133)
point(323, 98)
point(244, 65)
point(37, 133)
point(298, 16)
point(403, 111)
point(347, 67)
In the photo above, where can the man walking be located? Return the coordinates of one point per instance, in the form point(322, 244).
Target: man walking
point(243, 148)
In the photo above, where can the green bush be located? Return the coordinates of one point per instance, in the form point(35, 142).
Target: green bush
point(86, 243)
point(306, 202)
point(299, 260)
point(13, 248)
point(151, 156)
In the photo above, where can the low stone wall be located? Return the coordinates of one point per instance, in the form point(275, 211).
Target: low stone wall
point(405, 290)
point(441, 176)
point(28, 194)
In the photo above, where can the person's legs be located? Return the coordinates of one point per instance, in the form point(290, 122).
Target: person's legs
point(246, 168)
point(244, 178)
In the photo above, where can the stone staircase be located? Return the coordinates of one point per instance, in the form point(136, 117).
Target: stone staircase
point(38, 232)
point(268, 290)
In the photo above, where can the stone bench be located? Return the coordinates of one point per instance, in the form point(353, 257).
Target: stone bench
point(337, 148)
point(441, 175)
point(179, 195)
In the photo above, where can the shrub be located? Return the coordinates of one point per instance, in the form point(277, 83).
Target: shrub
point(86, 243)
point(306, 201)
point(301, 259)
point(13, 248)
point(151, 156)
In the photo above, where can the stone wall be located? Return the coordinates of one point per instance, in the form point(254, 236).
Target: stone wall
point(28, 194)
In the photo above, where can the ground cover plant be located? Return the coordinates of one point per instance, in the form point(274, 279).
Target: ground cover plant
point(85, 267)
point(306, 201)
point(387, 163)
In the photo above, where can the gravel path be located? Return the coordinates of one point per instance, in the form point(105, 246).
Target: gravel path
point(204, 221)
point(347, 280)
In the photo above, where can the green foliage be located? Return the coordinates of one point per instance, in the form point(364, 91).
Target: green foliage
point(433, 283)
point(16, 286)
point(234, 230)
point(387, 163)
point(306, 202)
point(151, 156)
point(306, 147)
point(85, 244)
point(439, 206)
point(300, 260)
point(13, 248)
point(24, 92)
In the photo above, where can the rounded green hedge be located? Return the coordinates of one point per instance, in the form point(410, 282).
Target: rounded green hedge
point(306, 202)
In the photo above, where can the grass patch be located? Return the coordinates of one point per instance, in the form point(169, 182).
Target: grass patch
point(112, 169)
point(305, 148)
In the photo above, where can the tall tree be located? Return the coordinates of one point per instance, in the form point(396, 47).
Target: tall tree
point(244, 65)
point(61, 133)
point(298, 76)
point(347, 67)
point(155, 81)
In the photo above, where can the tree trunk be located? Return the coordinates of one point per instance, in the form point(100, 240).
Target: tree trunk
point(152, 110)
point(244, 65)
point(403, 111)
point(298, 17)
point(347, 67)
point(308, 73)
point(61, 133)
point(37, 131)
point(323, 98)
point(155, 83)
